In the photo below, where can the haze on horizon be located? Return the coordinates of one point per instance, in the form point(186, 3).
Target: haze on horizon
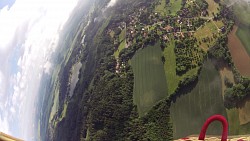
point(29, 34)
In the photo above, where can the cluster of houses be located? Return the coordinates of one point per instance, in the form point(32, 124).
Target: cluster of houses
point(165, 26)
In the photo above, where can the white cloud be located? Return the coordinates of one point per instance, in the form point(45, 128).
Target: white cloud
point(32, 26)
point(4, 125)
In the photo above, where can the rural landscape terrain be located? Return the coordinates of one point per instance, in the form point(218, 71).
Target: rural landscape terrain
point(148, 70)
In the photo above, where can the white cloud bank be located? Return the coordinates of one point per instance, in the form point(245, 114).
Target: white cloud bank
point(29, 33)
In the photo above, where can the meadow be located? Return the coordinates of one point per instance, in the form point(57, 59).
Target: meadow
point(122, 44)
point(170, 67)
point(168, 9)
point(195, 105)
point(212, 7)
point(209, 28)
point(150, 84)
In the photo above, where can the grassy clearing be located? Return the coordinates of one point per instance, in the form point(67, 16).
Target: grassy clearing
point(150, 83)
point(212, 7)
point(190, 111)
point(243, 34)
point(206, 31)
point(122, 39)
point(219, 24)
point(121, 47)
point(170, 67)
point(168, 9)
point(55, 104)
point(122, 35)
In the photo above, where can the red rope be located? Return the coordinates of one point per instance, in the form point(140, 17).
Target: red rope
point(211, 119)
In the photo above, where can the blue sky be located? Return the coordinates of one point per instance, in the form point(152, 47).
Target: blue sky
point(29, 35)
point(4, 3)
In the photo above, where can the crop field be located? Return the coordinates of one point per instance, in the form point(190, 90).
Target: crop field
point(239, 55)
point(168, 9)
point(149, 78)
point(235, 127)
point(243, 33)
point(190, 111)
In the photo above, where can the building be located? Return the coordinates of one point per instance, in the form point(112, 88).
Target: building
point(5, 137)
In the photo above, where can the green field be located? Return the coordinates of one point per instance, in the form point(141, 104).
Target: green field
point(170, 67)
point(189, 111)
point(149, 82)
point(243, 34)
point(122, 45)
point(168, 9)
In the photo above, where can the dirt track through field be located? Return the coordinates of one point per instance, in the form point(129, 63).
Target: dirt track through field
point(239, 54)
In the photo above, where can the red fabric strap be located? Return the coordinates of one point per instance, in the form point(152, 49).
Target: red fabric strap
point(211, 119)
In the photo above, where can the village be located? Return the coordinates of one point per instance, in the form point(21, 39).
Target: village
point(144, 26)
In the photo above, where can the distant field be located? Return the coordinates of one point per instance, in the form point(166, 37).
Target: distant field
point(168, 9)
point(190, 111)
point(243, 34)
point(150, 82)
point(242, 12)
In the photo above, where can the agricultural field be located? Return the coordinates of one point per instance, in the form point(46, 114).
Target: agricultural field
point(168, 9)
point(190, 110)
point(239, 55)
point(235, 117)
point(149, 78)
point(243, 33)
point(226, 73)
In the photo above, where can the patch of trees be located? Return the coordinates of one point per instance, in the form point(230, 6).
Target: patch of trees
point(203, 5)
point(188, 55)
point(225, 13)
point(236, 95)
point(220, 50)
point(153, 126)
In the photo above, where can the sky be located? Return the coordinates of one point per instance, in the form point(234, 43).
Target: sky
point(29, 33)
